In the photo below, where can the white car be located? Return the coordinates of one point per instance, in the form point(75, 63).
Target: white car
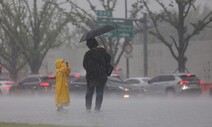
point(174, 84)
point(5, 87)
point(137, 83)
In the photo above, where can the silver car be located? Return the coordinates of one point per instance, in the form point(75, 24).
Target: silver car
point(174, 84)
point(137, 83)
point(5, 87)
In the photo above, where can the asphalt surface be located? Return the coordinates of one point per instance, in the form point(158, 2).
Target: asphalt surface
point(116, 112)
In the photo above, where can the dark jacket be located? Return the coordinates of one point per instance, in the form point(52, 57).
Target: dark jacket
point(95, 62)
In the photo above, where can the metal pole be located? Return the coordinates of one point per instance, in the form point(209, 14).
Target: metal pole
point(127, 59)
point(113, 18)
point(126, 9)
point(145, 46)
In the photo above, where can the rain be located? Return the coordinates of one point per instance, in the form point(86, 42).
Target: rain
point(141, 55)
point(116, 112)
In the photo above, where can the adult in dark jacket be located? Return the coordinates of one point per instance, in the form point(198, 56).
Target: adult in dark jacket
point(94, 62)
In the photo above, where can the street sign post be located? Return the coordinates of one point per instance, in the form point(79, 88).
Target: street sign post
point(145, 31)
point(125, 29)
point(128, 48)
point(104, 13)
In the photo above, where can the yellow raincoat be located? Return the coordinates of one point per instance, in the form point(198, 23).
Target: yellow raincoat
point(63, 71)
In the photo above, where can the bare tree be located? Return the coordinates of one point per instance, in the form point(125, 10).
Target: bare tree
point(175, 15)
point(10, 37)
point(30, 30)
point(45, 25)
point(86, 21)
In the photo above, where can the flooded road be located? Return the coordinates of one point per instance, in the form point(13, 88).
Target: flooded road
point(116, 112)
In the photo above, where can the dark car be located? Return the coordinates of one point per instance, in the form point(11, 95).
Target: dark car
point(35, 84)
point(114, 86)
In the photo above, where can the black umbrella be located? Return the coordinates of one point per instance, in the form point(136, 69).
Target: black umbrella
point(98, 31)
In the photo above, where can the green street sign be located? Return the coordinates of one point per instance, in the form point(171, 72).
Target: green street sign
point(125, 30)
point(104, 13)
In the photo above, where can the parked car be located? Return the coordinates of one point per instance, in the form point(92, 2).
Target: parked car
point(5, 79)
point(113, 86)
point(207, 88)
point(137, 83)
point(35, 84)
point(174, 84)
point(5, 87)
point(117, 73)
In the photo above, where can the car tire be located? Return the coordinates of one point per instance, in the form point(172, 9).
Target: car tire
point(12, 91)
point(210, 93)
point(35, 93)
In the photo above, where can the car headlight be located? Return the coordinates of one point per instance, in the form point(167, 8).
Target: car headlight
point(185, 87)
point(122, 88)
point(126, 96)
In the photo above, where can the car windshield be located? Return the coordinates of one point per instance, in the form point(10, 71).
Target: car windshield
point(145, 80)
point(81, 79)
point(132, 81)
point(189, 77)
point(114, 81)
point(4, 79)
point(50, 79)
point(9, 83)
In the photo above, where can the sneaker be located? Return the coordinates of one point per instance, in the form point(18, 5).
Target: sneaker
point(61, 109)
point(88, 111)
point(97, 110)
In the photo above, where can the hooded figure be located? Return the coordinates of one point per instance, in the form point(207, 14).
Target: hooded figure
point(63, 71)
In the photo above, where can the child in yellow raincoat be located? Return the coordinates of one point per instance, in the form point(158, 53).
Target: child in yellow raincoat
point(62, 97)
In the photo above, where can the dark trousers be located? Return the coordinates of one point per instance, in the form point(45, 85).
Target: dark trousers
point(89, 96)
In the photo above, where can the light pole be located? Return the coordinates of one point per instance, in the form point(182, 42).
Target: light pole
point(126, 41)
point(126, 9)
point(145, 46)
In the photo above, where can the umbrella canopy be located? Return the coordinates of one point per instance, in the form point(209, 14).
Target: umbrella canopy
point(98, 31)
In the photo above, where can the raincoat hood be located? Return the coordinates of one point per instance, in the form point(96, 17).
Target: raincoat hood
point(59, 63)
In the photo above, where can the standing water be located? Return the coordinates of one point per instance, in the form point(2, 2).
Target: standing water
point(116, 111)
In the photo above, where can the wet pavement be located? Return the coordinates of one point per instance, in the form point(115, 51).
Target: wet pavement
point(116, 112)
